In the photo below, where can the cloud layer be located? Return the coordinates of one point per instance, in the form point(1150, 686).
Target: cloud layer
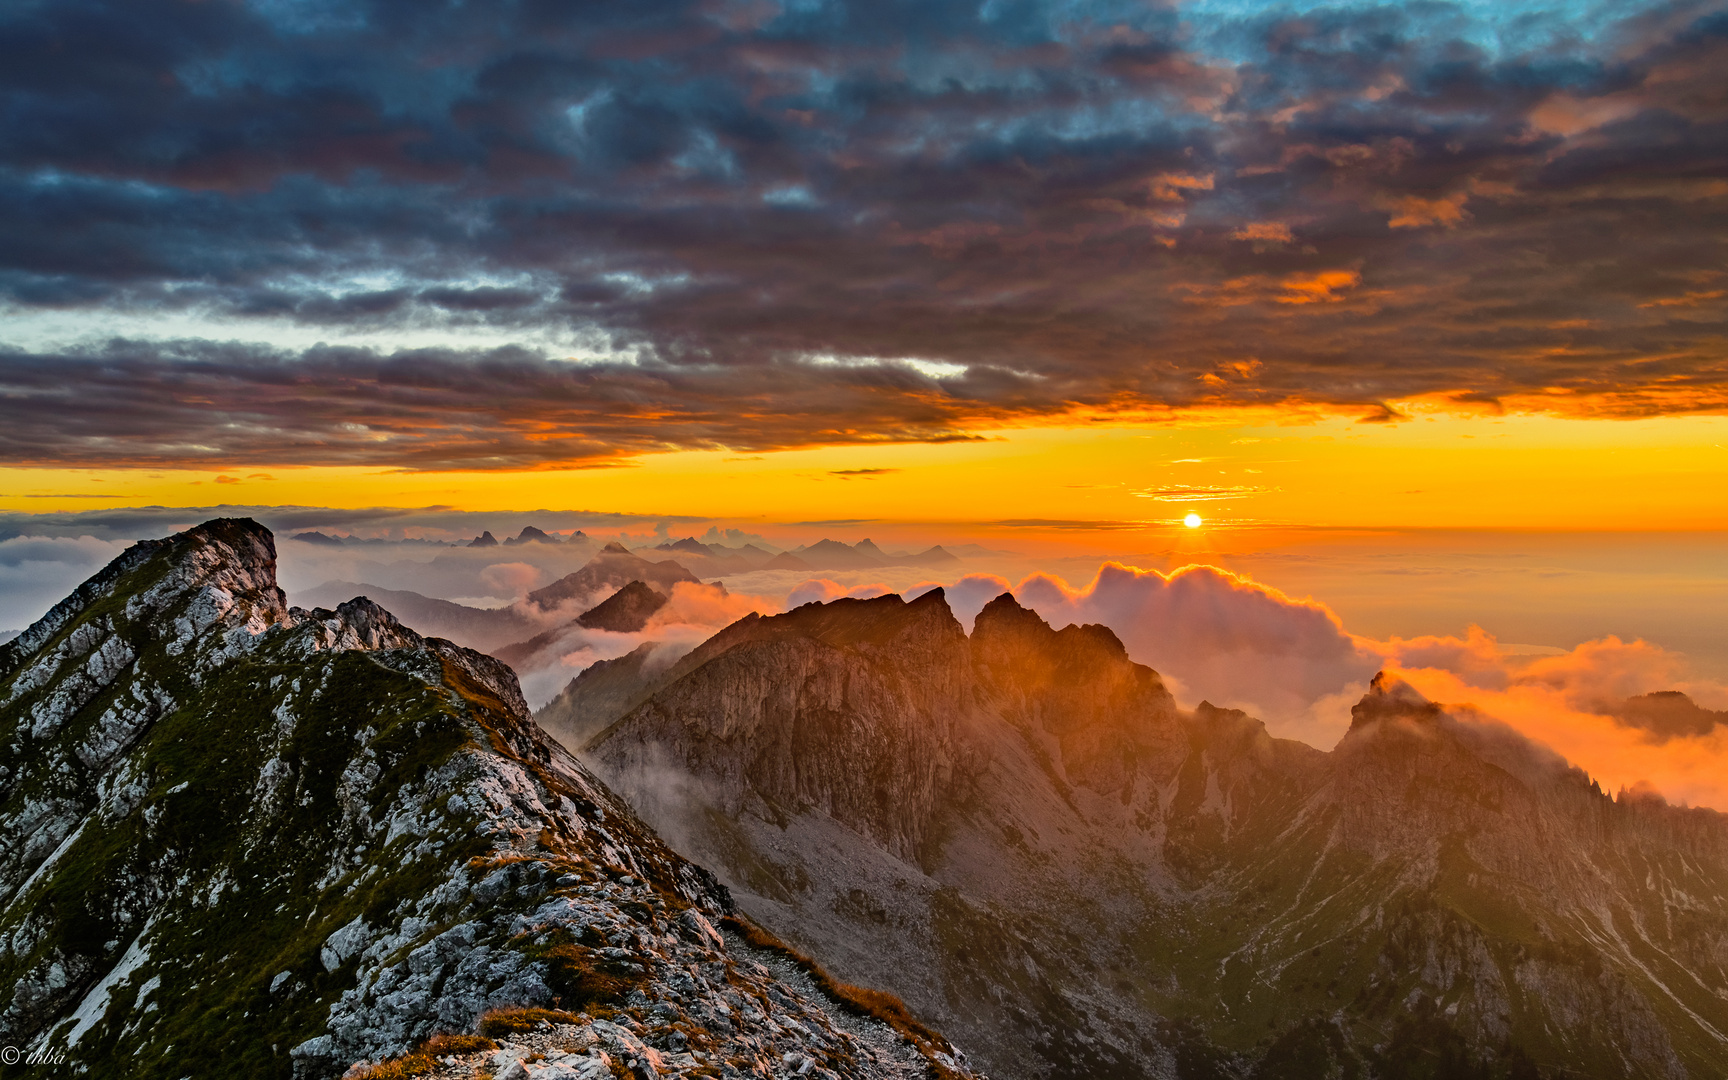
point(539, 234)
point(1221, 637)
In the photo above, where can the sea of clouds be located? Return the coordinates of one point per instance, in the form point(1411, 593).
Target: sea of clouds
point(1213, 635)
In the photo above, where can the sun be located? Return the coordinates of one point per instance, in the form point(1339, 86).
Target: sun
point(1192, 521)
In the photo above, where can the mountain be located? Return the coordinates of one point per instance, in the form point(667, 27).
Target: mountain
point(864, 555)
point(531, 535)
point(317, 538)
point(601, 693)
point(1668, 714)
point(476, 628)
point(613, 567)
point(933, 556)
point(869, 550)
point(715, 560)
point(484, 540)
point(834, 555)
point(786, 561)
point(625, 611)
point(1023, 835)
point(244, 839)
point(689, 545)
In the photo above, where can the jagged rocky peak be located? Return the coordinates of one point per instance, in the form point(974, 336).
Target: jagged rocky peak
point(800, 709)
point(1390, 698)
point(1016, 645)
point(1078, 685)
point(246, 839)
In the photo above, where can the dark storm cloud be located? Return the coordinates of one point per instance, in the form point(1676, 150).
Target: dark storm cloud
point(1097, 207)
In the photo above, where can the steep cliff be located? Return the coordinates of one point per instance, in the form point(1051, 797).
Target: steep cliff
point(1022, 834)
point(242, 839)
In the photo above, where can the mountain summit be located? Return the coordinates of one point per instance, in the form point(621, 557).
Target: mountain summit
point(243, 839)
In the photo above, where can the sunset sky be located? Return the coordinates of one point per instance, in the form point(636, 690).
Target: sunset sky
point(1044, 277)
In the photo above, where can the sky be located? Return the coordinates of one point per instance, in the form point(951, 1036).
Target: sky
point(1419, 307)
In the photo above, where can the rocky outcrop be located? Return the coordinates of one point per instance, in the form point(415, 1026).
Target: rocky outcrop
point(1022, 834)
point(286, 841)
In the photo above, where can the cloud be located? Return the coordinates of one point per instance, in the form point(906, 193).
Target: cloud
point(1609, 706)
point(1198, 492)
point(1221, 637)
point(516, 578)
point(706, 607)
point(36, 572)
point(1684, 768)
point(693, 613)
point(1264, 232)
point(822, 590)
point(526, 237)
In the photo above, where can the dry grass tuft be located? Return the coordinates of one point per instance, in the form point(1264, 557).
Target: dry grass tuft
point(516, 1021)
point(415, 1064)
point(445, 1045)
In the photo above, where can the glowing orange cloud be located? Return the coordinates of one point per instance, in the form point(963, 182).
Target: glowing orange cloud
point(1236, 642)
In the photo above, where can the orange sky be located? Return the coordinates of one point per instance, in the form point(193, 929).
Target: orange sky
point(1434, 470)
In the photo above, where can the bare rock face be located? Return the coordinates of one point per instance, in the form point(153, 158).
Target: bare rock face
point(776, 709)
point(287, 841)
point(1023, 835)
point(1108, 716)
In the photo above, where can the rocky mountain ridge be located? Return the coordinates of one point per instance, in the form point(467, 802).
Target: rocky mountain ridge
point(1112, 885)
point(238, 838)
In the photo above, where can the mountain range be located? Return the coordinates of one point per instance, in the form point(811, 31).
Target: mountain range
point(1022, 834)
point(243, 839)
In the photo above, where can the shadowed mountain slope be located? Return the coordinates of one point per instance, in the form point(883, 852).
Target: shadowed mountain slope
point(625, 611)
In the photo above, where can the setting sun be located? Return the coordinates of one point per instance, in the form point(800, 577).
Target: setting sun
point(1192, 521)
